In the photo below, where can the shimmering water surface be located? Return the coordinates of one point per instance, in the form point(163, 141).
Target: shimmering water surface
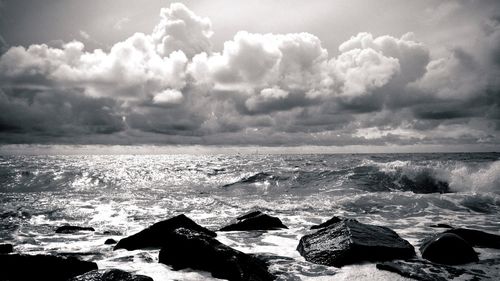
point(122, 194)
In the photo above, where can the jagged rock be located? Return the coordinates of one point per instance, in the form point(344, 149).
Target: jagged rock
point(67, 229)
point(255, 221)
point(16, 267)
point(477, 238)
point(154, 236)
point(448, 248)
point(331, 221)
point(192, 249)
point(110, 275)
point(6, 248)
point(110, 241)
point(349, 241)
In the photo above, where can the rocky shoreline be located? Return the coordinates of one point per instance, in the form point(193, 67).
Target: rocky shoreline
point(336, 242)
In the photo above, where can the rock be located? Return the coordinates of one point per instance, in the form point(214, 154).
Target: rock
point(154, 236)
point(111, 232)
point(349, 241)
point(199, 251)
point(477, 238)
point(255, 221)
point(448, 248)
point(110, 275)
point(110, 241)
point(68, 229)
point(428, 271)
point(441, 225)
point(6, 248)
point(333, 220)
point(41, 267)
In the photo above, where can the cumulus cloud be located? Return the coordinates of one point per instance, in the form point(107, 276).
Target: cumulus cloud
point(168, 97)
point(180, 29)
point(411, 55)
point(362, 70)
point(170, 86)
point(268, 96)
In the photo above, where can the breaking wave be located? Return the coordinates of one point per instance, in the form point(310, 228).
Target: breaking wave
point(442, 176)
point(417, 177)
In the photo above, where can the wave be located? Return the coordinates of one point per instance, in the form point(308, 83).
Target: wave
point(299, 175)
point(432, 176)
point(436, 176)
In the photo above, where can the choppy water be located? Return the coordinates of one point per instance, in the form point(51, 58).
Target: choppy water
point(125, 193)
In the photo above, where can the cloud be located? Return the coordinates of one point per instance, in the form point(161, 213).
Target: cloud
point(262, 60)
point(31, 112)
point(170, 86)
point(84, 35)
point(267, 97)
point(362, 70)
point(132, 69)
point(411, 55)
point(180, 29)
point(3, 45)
point(168, 97)
point(120, 23)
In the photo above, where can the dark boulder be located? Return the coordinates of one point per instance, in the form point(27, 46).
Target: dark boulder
point(448, 248)
point(110, 275)
point(6, 248)
point(199, 251)
point(68, 229)
point(255, 221)
point(41, 267)
point(331, 221)
point(154, 236)
point(110, 241)
point(349, 241)
point(477, 238)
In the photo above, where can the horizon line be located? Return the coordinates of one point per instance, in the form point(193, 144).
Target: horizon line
point(150, 149)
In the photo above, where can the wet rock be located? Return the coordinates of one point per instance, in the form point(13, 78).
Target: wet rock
point(68, 229)
point(441, 225)
point(448, 248)
point(110, 275)
point(331, 221)
point(477, 238)
point(199, 251)
point(110, 241)
point(41, 267)
point(111, 232)
point(255, 221)
point(88, 255)
point(349, 241)
point(6, 248)
point(154, 236)
point(428, 271)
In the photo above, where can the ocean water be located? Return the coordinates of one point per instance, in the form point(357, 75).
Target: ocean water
point(120, 195)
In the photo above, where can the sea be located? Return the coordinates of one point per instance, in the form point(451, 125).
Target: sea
point(119, 195)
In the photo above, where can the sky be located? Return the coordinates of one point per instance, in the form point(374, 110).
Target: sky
point(269, 73)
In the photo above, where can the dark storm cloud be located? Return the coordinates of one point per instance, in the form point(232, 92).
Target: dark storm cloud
point(3, 45)
point(170, 86)
point(52, 113)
